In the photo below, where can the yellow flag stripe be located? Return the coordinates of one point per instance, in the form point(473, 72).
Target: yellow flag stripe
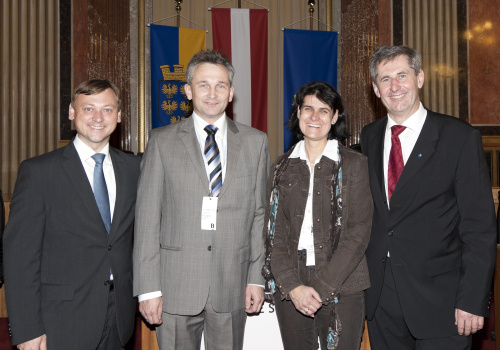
point(191, 41)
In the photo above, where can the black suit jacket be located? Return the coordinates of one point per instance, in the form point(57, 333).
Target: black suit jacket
point(58, 254)
point(2, 224)
point(440, 230)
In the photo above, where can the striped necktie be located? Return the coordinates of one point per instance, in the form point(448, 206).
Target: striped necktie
point(212, 156)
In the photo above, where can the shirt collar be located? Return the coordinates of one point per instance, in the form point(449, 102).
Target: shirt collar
point(220, 123)
point(330, 151)
point(85, 152)
point(415, 122)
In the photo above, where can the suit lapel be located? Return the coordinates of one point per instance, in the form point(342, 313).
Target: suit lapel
point(233, 153)
point(377, 141)
point(188, 137)
point(121, 187)
point(421, 153)
point(73, 167)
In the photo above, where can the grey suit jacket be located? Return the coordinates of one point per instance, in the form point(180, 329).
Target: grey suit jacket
point(58, 254)
point(171, 252)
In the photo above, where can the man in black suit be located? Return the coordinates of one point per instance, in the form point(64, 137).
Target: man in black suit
point(68, 252)
point(432, 249)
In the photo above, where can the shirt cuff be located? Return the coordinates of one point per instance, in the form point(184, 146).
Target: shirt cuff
point(258, 285)
point(147, 296)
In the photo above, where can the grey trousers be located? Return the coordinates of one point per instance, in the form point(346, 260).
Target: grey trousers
point(222, 331)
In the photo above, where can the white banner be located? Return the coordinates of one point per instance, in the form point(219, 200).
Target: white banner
point(261, 331)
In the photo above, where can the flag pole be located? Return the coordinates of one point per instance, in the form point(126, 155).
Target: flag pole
point(311, 12)
point(178, 9)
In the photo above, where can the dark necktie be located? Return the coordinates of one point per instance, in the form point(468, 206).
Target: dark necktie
point(101, 191)
point(213, 159)
point(396, 163)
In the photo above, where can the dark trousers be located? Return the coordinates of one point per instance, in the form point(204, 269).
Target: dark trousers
point(300, 332)
point(110, 339)
point(388, 329)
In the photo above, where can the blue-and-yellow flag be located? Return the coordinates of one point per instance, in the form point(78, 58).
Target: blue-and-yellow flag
point(171, 50)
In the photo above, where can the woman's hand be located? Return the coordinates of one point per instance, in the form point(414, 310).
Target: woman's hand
point(306, 300)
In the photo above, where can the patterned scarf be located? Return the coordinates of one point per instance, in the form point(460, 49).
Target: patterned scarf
point(335, 326)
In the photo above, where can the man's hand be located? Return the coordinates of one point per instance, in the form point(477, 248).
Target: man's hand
point(468, 323)
point(39, 343)
point(151, 310)
point(306, 300)
point(254, 299)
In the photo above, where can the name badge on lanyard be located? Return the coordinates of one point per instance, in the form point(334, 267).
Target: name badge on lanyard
point(209, 213)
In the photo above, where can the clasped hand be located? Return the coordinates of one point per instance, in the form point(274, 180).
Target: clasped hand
point(306, 300)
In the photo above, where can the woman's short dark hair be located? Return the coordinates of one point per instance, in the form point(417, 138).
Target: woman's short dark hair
point(326, 94)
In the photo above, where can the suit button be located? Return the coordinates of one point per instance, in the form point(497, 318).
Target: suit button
point(290, 184)
point(390, 233)
point(106, 283)
point(383, 260)
point(282, 293)
point(317, 220)
point(318, 193)
point(109, 247)
point(327, 299)
point(320, 246)
point(318, 167)
point(209, 248)
point(333, 294)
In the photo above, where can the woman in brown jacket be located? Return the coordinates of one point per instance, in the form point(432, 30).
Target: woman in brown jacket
point(318, 226)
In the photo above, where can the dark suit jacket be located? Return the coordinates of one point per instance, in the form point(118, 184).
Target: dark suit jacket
point(2, 224)
point(440, 230)
point(58, 254)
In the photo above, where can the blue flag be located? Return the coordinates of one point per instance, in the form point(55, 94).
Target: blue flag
point(308, 56)
point(171, 50)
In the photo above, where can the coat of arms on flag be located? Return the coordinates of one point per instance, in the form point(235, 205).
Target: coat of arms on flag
point(171, 50)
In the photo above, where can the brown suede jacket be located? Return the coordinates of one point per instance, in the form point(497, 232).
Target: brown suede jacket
point(347, 271)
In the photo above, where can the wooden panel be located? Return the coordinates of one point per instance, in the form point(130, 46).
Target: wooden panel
point(365, 344)
point(148, 337)
point(29, 83)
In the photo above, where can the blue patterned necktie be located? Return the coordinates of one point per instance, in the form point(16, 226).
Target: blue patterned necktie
point(212, 155)
point(101, 191)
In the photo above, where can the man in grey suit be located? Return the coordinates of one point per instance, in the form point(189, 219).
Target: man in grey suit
point(68, 262)
point(198, 246)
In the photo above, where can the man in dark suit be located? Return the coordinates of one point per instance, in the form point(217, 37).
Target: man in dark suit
point(432, 249)
point(68, 242)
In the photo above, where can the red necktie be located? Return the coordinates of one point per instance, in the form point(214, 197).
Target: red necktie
point(396, 163)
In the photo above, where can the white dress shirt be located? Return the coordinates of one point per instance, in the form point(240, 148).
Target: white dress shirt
point(220, 138)
point(85, 153)
point(306, 240)
point(408, 138)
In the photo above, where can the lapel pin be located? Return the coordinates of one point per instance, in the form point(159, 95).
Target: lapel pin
point(420, 155)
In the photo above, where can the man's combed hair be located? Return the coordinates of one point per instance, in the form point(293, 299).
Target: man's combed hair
point(96, 86)
point(388, 53)
point(209, 56)
point(326, 94)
